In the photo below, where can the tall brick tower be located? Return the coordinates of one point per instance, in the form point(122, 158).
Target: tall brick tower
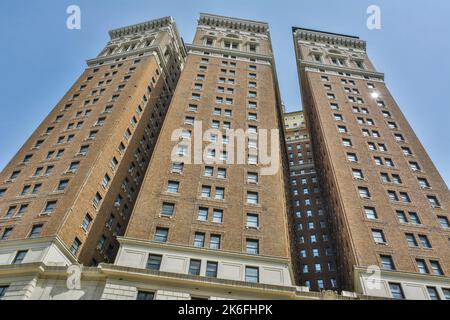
point(70, 190)
point(216, 219)
point(389, 206)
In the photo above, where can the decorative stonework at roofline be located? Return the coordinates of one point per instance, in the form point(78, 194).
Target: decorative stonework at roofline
point(233, 23)
point(141, 27)
point(330, 38)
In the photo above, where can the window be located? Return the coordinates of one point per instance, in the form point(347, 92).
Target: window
point(371, 213)
point(73, 168)
point(63, 185)
point(97, 200)
point(387, 263)
point(411, 240)
point(434, 295)
point(252, 221)
point(2, 193)
point(217, 216)
point(252, 198)
point(446, 293)
point(364, 192)
point(173, 187)
point(14, 175)
point(392, 196)
point(161, 234)
point(252, 274)
point(396, 291)
point(414, 218)
point(145, 296)
point(422, 266)
point(177, 167)
point(75, 247)
point(347, 143)
point(22, 210)
point(220, 193)
point(358, 174)
point(154, 262)
point(215, 242)
point(20, 256)
point(50, 207)
point(252, 246)
point(352, 157)
point(425, 242)
point(206, 192)
point(203, 214)
point(444, 222)
point(222, 173)
point(405, 197)
point(6, 233)
point(194, 267)
point(35, 231)
point(434, 202)
point(378, 236)
point(211, 269)
point(167, 209)
point(3, 290)
point(84, 150)
point(199, 240)
point(436, 268)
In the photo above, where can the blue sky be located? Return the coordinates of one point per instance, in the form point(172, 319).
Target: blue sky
point(41, 58)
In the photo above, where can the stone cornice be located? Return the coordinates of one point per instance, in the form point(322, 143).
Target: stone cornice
point(306, 63)
point(141, 27)
point(233, 23)
point(330, 38)
point(148, 243)
point(192, 47)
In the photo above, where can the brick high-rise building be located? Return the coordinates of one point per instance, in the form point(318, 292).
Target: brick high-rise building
point(219, 220)
point(69, 191)
point(314, 246)
point(388, 204)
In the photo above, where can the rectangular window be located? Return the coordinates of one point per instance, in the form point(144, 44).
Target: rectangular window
point(167, 209)
point(434, 295)
point(20, 256)
point(422, 266)
point(145, 296)
point(215, 242)
point(252, 246)
point(371, 213)
point(161, 234)
point(35, 231)
point(199, 240)
point(211, 269)
point(252, 274)
point(252, 221)
point(396, 291)
point(173, 187)
point(203, 214)
point(75, 247)
point(6, 233)
point(387, 263)
point(252, 198)
point(154, 262)
point(217, 216)
point(194, 267)
point(50, 207)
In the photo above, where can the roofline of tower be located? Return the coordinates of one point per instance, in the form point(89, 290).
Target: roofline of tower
point(140, 27)
point(234, 23)
point(330, 37)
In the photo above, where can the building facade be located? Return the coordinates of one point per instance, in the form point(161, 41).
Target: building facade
point(389, 206)
point(314, 248)
point(208, 214)
point(69, 191)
